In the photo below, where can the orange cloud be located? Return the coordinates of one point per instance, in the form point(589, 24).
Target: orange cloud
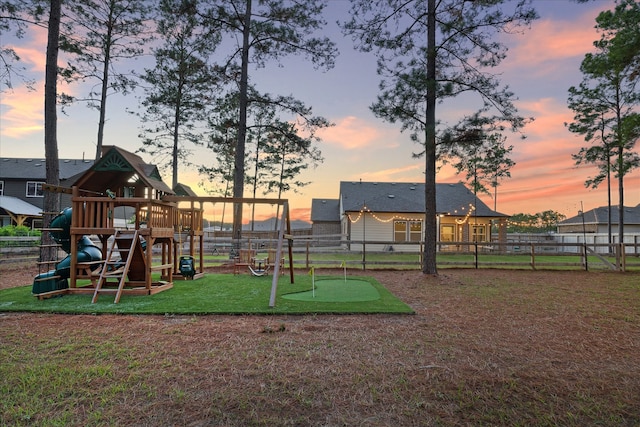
point(23, 113)
point(393, 174)
point(22, 108)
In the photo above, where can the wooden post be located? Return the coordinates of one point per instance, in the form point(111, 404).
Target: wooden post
point(533, 256)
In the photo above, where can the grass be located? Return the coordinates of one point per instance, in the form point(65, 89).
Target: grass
point(211, 294)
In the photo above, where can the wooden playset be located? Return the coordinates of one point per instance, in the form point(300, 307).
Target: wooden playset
point(139, 248)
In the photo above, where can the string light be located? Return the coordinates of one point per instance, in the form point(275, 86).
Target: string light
point(466, 218)
point(406, 218)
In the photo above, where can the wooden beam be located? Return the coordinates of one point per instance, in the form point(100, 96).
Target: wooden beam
point(56, 189)
point(211, 199)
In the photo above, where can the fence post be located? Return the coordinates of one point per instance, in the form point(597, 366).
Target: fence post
point(475, 255)
point(533, 256)
point(364, 254)
point(307, 255)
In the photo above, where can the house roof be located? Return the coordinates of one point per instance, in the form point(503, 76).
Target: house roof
point(325, 210)
point(19, 207)
point(184, 190)
point(600, 216)
point(35, 169)
point(119, 168)
point(403, 197)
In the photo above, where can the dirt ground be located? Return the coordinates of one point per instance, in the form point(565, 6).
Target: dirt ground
point(485, 347)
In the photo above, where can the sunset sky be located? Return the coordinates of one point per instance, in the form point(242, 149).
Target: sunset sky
point(541, 65)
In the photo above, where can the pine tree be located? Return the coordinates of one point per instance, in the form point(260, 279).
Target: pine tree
point(429, 51)
point(607, 101)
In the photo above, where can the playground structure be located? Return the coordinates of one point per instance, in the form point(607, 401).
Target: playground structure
point(87, 252)
point(130, 255)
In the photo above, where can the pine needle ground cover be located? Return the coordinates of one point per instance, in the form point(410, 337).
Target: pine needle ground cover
point(484, 347)
point(226, 294)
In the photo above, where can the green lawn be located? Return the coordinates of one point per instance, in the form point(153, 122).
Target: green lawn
point(213, 293)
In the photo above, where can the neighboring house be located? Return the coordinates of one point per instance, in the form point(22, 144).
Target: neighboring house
point(122, 172)
point(23, 178)
point(394, 213)
point(14, 211)
point(596, 220)
point(325, 217)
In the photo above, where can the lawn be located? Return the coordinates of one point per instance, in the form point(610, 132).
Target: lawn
point(222, 294)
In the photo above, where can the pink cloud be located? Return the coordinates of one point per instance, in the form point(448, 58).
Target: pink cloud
point(551, 41)
point(23, 113)
point(350, 133)
point(32, 49)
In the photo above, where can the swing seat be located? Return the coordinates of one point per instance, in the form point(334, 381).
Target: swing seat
point(244, 258)
point(259, 272)
point(187, 268)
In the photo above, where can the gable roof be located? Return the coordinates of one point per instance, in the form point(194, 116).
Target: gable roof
point(403, 197)
point(184, 190)
point(35, 169)
point(600, 215)
point(325, 210)
point(119, 168)
point(19, 207)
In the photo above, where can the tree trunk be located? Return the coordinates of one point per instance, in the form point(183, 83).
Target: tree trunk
point(430, 232)
point(105, 87)
point(51, 199)
point(238, 171)
point(620, 195)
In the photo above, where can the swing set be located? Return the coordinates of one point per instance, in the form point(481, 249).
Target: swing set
point(191, 225)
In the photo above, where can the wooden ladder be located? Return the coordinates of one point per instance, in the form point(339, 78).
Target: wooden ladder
point(124, 242)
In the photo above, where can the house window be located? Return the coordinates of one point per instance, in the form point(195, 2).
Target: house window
point(1, 188)
point(34, 189)
point(447, 233)
point(400, 231)
point(415, 231)
point(404, 231)
point(479, 233)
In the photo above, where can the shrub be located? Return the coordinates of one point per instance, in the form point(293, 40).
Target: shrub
point(21, 230)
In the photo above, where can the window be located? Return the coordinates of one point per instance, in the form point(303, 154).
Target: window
point(415, 231)
point(404, 231)
point(447, 233)
point(1, 188)
point(34, 189)
point(479, 233)
point(400, 231)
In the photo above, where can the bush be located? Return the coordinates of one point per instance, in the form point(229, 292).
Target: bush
point(20, 230)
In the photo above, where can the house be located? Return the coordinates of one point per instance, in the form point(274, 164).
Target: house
point(14, 211)
point(596, 221)
point(325, 217)
point(23, 178)
point(394, 213)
